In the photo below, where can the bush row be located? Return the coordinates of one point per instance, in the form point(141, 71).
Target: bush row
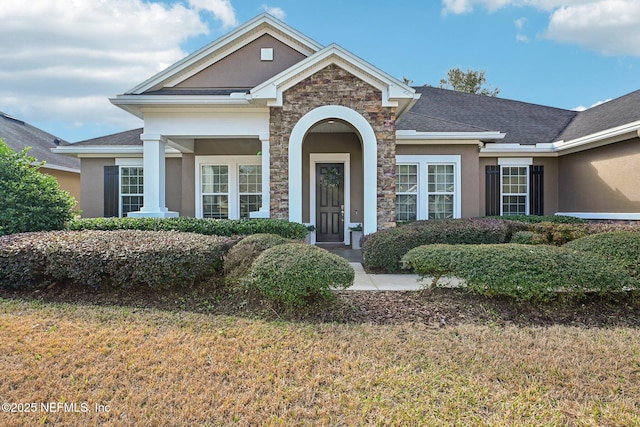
point(216, 227)
point(535, 219)
point(122, 258)
point(239, 259)
point(297, 274)
point(621, 247)
point(383, 250)
point(523, 272)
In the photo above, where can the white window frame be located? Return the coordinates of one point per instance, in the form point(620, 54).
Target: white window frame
point(233, 164)
point(127, 163)
point(515, 162)
point(435, 193)
point(423, 196)
point(407, 193)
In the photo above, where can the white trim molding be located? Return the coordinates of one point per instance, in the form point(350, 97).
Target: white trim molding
point(232, 162)
point(423, 161)
point(613, 216)
point(515, 161)
point(369, 153)
point(345, 159)
point(414, 137)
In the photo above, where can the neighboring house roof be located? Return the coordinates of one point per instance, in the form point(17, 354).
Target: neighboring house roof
point(614, 113)
point(19, 135)
point(128, 137)
point(445, 110)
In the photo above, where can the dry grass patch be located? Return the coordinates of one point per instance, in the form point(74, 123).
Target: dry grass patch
point(159, 368)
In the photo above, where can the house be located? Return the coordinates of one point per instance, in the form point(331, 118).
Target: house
point(19, 135)
point(265, 122)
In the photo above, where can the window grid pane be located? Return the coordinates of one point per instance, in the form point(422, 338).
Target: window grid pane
point(131, 189)
point(407, 179)
point(440, 190)
point(514, 190)
point(215, 206)
point(215, 179)
point(250, 179)
point(249, 203)
point(215, 189)
point(406, 207)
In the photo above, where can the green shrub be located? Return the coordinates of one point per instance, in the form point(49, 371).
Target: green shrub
point(216, 227)
point(535, 219)
point(558, 234)
point(383, 250)
point(527, 238)
point(620, 246)
point(297, 274)
point(240, 257)
point(124, 258)
point(29, 199)
point(523, 272)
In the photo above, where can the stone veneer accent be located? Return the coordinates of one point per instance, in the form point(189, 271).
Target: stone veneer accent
point(334, 86)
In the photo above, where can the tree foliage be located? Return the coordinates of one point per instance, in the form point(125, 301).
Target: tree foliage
point(469, 81)
point(29, 199)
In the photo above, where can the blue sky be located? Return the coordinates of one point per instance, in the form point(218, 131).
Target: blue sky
point(63, 59)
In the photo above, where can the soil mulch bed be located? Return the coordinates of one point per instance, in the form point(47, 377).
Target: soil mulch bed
point(435, 308)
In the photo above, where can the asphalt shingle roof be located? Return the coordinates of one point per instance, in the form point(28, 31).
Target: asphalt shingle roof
point(128, 137)
point(616, 112)
point(444, 110)
point(19, 135)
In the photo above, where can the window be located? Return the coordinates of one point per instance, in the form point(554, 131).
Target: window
point(131, 189)
point(440, 190)
point(250, 189)
point(427, 187)
point(514, 189)
point(406, 192)
point(229, 186)
point(215, 191)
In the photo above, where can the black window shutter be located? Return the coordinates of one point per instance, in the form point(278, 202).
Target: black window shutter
point(492, 190)
point(111, 193)
point(536, 190)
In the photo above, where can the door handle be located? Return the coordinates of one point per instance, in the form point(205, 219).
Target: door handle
point(342, 212)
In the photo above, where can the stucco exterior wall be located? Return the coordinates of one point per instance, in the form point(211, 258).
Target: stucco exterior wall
point(243, 68)
point(92, 186)
point(603, 179)
point(227, 147)
point(333, 86)
point(68, 181)
point(173, 185)
point(470, 169)
point(335, 143)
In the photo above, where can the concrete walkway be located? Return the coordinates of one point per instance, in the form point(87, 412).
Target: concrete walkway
point(394, 282)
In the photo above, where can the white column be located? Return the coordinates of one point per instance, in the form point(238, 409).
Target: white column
point(154, 178)
point(265, 209)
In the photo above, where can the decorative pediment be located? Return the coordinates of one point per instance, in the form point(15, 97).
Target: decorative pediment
point(262, 27)
point(394, 92)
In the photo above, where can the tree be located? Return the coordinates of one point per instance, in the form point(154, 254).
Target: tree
point(470, 81)
point(29, 199)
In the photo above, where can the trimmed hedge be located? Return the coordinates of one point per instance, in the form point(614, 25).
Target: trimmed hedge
point(535, 219)
point(207, 226)
point(240, 257)
point(620, 246)
point(123, 258)
point(523, 272)
point(297, 274)
point(383, 250)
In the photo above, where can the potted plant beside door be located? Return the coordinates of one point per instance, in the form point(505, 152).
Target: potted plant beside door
point(356, 235)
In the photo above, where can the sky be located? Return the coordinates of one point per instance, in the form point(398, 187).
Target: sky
point(60, 60)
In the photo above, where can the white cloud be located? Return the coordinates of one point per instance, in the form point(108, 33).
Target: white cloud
point(61, 59)
point(606, 26)
point(610, 27)
point(221, 10)
point(582, 107)
point(276, 12)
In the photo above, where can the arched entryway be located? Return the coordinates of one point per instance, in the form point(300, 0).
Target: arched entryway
point(368, 140)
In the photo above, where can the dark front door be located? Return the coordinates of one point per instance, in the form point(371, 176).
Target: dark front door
point(329, 202)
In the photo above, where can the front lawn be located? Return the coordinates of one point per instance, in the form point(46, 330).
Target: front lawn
point(464, 362)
